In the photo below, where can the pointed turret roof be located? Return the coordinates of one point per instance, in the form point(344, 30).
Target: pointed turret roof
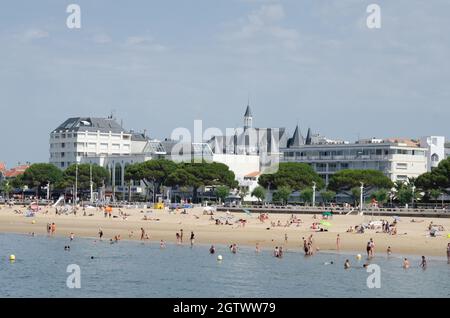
point(248, 111)
point(308, 137)
point(296, 140)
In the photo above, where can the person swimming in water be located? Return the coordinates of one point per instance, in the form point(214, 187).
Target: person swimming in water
point(347, 264)
point(212, 249)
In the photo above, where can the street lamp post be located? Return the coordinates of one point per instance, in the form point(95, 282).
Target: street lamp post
point(361, 198)
point(314, 194)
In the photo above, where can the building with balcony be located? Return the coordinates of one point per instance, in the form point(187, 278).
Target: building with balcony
point(398, 159)
point(82, 137)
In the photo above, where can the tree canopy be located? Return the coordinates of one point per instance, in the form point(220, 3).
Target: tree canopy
point(259, 193)
point(438, 178)
point(282, 195)
point(347, 179)
point(99, 175)
point(40, 174)
point(295, 175)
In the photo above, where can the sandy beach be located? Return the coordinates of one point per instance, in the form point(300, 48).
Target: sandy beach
point(412, 237)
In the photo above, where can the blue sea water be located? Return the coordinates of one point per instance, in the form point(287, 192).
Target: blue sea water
point(133, 269)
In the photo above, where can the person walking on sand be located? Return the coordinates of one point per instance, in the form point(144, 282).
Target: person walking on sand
point(285, 238)
point(53, 228)
point(338, 243)
point(142, 233)
point(181, 236)
point(100, 234)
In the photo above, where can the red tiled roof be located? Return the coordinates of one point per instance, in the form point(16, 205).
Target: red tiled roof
point(2, 167)
point(253, 174)
point(17, 171)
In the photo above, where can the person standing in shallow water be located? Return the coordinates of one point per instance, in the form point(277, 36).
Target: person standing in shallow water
point(448, 253)
point(192, 239)
point(181, 236)
point(423, 263)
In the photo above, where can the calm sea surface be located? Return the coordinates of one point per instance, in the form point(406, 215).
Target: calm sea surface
point(133, 269)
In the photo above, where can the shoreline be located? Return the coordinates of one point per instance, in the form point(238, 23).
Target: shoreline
point(163, 226)
point(344, 253)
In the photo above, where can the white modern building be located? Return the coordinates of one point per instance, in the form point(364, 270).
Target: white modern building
point(435, 146)
point(82, 137)
point(398, 159)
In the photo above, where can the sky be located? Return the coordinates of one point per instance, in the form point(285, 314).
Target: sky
point(161, 64)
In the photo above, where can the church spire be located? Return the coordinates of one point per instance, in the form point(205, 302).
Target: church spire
point(308, 137)
point(248, 117)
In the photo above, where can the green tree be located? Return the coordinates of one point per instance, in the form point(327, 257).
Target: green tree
point(295, 175)
point(182, 178)
point(381, 196)
point(307, 195)
point(39, 174)
point(282, 195)
point(345, 180)
point(328, 196)
point(222, 193)
point(404, 195)
point(243, 192)
point(152, 172)
point(17, 182)
point(356, 194)
point(99, 176)
point(210, 174)
point(438, 178)
point(6, 188)
point(435, 194)
point(259, 193)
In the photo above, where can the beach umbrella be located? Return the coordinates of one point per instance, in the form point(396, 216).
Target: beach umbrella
point(326, 213)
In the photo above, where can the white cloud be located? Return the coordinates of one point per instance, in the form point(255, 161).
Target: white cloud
point(264, 26)
point(145, 42)
point(34, 34)
point(102, 39)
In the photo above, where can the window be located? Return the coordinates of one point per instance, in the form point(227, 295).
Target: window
point(434, 158)
point(115, 146)
point(103, 146)
point(402, 166)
